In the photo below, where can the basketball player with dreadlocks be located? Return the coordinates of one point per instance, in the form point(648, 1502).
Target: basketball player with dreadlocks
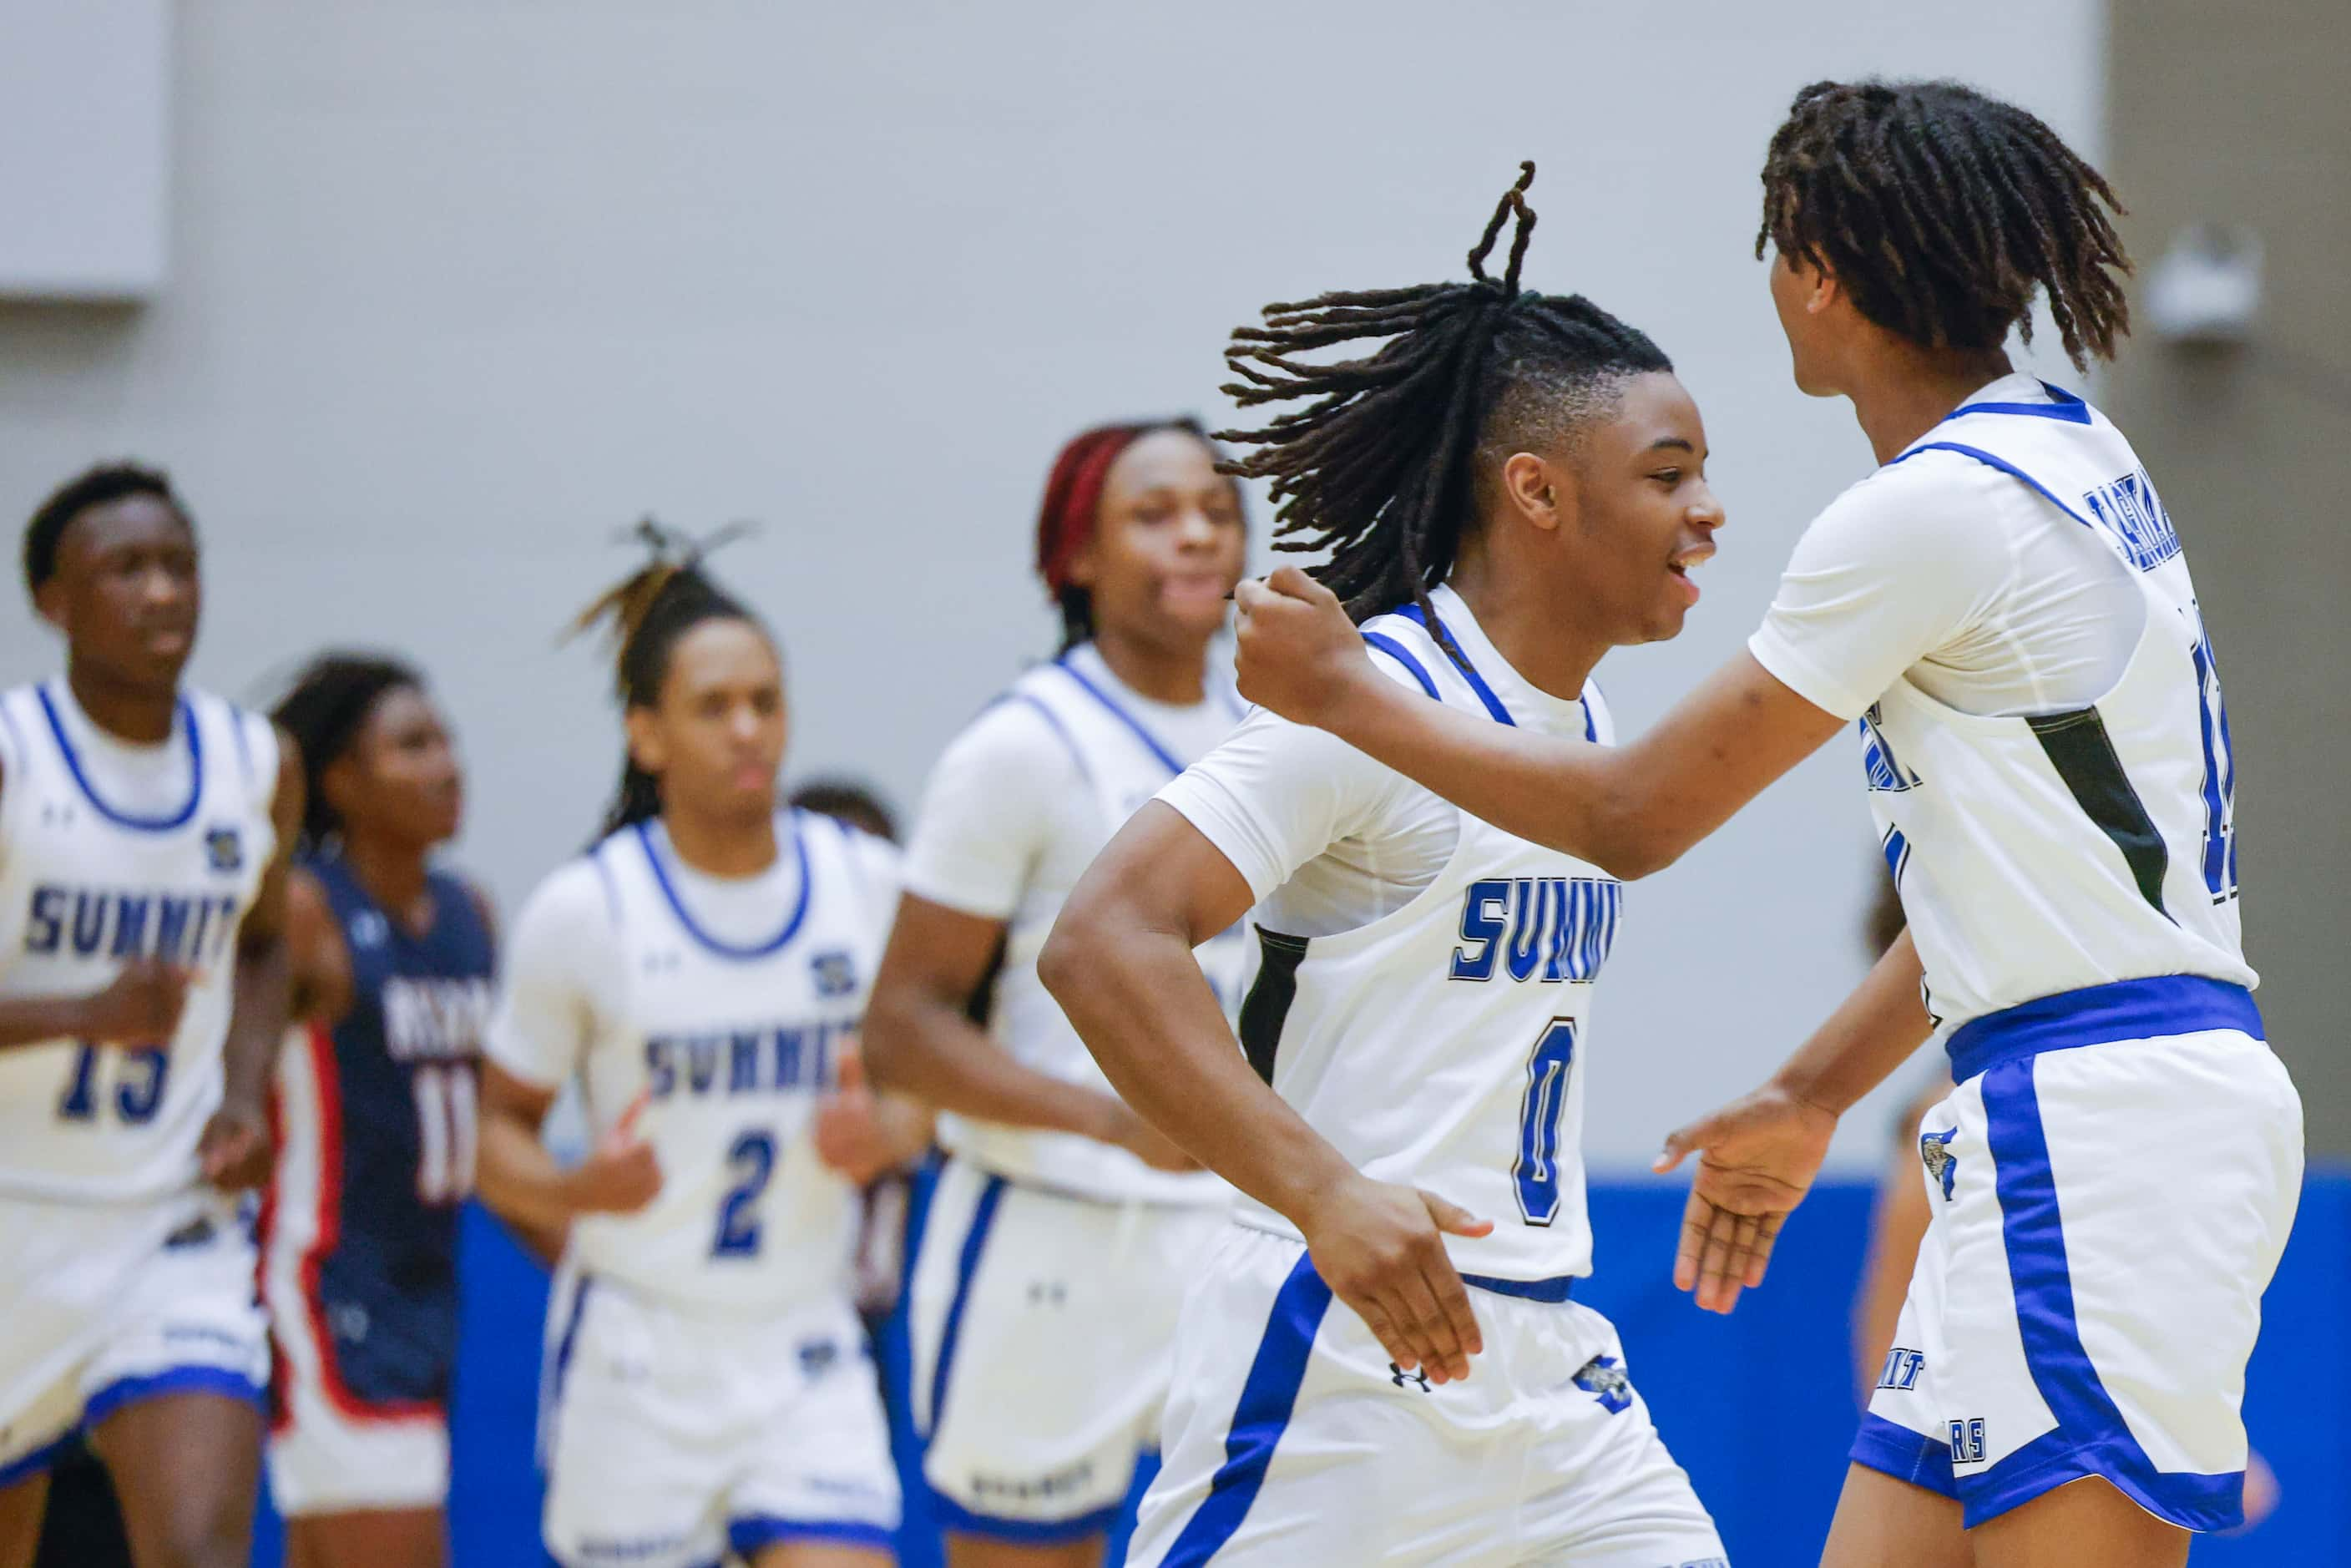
point(702, 971)
point(1063, 1229)
point(144, 831)
point(2004, 611)
point(374, 1104)
point(1508, 487)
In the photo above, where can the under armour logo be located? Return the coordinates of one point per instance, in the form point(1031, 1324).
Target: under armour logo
point(1400, 1377)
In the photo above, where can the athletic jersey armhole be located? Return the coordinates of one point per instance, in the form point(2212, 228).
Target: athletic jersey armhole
point(989, 814)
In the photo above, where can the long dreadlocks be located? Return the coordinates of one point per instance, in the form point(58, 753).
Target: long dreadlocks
point(644, 615)
point(1381, 467)
point(1942, 209)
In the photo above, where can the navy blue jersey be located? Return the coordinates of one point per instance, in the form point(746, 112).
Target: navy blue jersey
point(377, 1144)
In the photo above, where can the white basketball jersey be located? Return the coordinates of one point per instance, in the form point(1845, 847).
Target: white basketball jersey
point(2051, 852)
point(732, 1046)
point(87, 882)
point(1442, 1045)
point(1125, 763)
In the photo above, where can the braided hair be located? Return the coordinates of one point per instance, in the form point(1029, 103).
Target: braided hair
point(324, 713)
point(1381, 465)
point(644, 615)
point(1942, 209)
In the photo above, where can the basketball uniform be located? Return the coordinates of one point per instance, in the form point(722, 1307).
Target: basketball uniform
point(708, 1387)
point(1440, 1043)
point(1043, 1302)
point(127, 1277)
point(375, 1154)
point(2115, 1171)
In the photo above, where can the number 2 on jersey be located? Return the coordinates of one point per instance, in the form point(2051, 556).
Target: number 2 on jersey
point(1536, 1169)
point(753, 1159)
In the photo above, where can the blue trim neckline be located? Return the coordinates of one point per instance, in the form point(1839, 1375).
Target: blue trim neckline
point(692, 928)
point(187, 715)
point(1443, 638)
point(2065, 407)
point(1151, 742)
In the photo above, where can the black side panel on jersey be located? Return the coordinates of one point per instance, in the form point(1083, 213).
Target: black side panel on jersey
point(1267, 1005)
point(2083, 755)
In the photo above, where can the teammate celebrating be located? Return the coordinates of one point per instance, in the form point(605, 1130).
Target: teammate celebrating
point(143, 833)
point(1063, 1229)
point(702, 971)
point(1511, 486)
point(374, 1102)
point(2004, 611)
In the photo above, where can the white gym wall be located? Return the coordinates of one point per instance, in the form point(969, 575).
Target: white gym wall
point(459, 288)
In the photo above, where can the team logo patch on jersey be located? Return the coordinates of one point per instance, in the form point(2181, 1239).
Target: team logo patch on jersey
point(1935, 1148)
point(1602, 1375)
point(225, 848)
point(835, 972)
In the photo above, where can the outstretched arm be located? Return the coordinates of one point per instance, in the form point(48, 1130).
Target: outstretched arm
point(1120, 961)
point(1630, 810)
point(1758, 1155)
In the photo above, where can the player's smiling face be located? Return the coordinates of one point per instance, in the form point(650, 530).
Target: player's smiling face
point(1168, 542)
point(1646, 515)
point(126, 593)
point(715, 739)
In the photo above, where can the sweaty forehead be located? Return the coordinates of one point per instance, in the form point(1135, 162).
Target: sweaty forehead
point(128, 521)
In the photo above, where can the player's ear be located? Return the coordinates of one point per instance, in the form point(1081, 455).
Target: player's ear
point(1538, 491)
point(1086, 565)
point(646, 745)
point(1825, 291)
point(49, 602)
point(337, 779)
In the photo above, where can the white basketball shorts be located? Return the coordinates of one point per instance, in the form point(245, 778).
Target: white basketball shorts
point(104, 1305)
point(1043, 1327)
point(2112, 1180)
point(1292, 1438)
point(673, 1438)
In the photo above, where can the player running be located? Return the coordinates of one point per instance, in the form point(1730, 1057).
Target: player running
point(144, 828)
point(2003, 612)
point(375, 1102)
point(702, 972)
point(1063, 1228)
point(1504, 485)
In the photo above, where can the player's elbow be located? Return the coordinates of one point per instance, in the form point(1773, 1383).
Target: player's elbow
point(1629, 842)
point(1070, 952)
point(1084, 945)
